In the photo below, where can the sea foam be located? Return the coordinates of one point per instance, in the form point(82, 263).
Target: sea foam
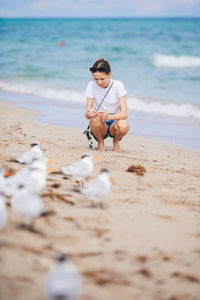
point(170, 61)
point(134, 103)
point(43, 91)
point(186, 110)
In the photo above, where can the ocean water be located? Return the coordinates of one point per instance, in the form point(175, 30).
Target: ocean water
point(158, 60)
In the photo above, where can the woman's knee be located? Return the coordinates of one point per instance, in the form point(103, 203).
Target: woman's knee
point(95, 122)
point(122, 126)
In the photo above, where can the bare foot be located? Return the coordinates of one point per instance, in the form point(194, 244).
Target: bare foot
point(101, 147)
point(116, 147)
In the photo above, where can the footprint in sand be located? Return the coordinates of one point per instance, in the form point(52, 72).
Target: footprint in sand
point(142, 258)
point(145, 272)
point(186, 276)
point(103, 277)
point(165, 217)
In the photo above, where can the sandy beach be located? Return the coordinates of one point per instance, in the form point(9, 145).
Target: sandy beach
point(144, 245)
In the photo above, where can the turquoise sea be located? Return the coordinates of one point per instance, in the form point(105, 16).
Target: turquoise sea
point(158, 60)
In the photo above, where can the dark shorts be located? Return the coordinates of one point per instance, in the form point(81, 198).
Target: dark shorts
point(108, 123)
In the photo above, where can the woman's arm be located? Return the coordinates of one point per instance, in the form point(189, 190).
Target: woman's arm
point(122, 115)
point(90, 111)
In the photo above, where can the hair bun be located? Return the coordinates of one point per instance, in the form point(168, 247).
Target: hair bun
point(101, 58)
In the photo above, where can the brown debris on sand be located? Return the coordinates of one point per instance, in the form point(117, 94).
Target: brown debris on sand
point(137, 169)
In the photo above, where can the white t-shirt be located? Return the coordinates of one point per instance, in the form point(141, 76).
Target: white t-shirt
point(111, 104)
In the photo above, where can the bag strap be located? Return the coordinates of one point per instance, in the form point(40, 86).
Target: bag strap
point(105, 96)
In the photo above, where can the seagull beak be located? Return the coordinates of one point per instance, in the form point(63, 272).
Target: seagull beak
point(112, 179)
point(49, 170)
point(96, 157)
point(41, 142)
point(7, 173)
point(51, 160)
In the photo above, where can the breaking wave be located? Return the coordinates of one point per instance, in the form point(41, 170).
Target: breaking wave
point(170, 61)
point(186, 110)
point(134, 103)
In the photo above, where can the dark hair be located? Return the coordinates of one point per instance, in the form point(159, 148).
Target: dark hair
point(102, 66)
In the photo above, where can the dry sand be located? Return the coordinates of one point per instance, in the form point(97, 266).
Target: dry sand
point(144, 245)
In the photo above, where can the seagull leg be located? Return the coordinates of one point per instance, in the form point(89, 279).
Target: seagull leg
point(101, 205)
point(30, 227)
point(93, 204)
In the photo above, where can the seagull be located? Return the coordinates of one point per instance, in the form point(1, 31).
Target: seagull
point(28, 156)
point(63, 282)
point(7, 185)
point(3, 213)
point(27, 205)
point(81, 169)
point(35, 181)
point(96, 189)
point(32, 176)
point(39, 163)
point(11, 183)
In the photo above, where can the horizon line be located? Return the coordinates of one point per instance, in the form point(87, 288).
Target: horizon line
point(100, 17)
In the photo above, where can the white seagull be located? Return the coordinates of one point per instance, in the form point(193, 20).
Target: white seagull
point(3, 213)
point(96, 189)
point(81, 169)
point(35, 181)
point(34, 153)
point(63, 282)
point(32, 177)
point(27, 205)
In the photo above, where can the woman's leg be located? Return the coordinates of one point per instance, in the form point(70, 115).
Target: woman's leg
point(99, 129)
point(118, 129)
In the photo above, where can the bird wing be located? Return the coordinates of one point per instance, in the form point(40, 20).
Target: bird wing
point(95, 189)
point(78, 169)
point(63, 281)
point(29, 155)
point(25, 158)
point(27, 204)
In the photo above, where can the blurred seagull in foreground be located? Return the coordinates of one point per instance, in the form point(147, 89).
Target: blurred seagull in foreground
point(35, 181)
point(96, 189)
point(34, 153)
point(27, 205)
point(81, 169)
point(3, 213)
point(63, 282)
point(32, 177)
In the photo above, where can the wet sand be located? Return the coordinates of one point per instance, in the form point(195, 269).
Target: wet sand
point(144, 245)
point(174, 130)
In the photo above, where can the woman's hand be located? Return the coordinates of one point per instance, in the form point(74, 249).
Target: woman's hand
point(92, 113)
point(103, 115)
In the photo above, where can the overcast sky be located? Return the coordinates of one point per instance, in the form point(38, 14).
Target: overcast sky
point(98, 8)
